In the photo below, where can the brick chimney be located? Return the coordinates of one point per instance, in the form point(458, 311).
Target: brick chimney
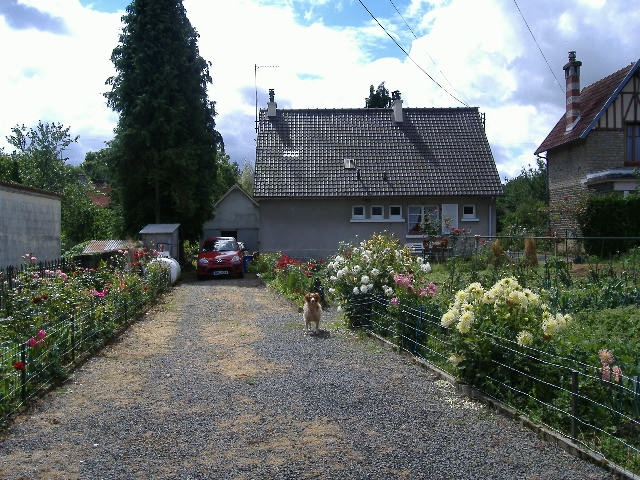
point(396, 106)
point(572, 76)
point(271, 105)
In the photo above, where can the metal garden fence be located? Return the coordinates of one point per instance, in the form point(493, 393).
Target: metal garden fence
point(570, 398)
point(31, 366)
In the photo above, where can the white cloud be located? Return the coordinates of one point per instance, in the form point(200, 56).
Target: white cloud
point(480, 52)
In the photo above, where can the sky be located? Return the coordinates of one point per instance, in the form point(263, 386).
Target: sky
point(503, 56)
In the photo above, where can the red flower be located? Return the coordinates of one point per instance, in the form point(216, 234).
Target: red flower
point(37, 299)
point(19, 365)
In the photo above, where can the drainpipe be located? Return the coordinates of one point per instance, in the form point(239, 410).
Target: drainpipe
point(546, 190)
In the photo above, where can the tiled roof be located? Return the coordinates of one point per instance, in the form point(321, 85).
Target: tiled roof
point(433, 152)
point(594, 101)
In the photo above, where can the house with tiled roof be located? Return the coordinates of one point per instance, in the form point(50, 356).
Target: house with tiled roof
point(325, 176)
point(595, 146)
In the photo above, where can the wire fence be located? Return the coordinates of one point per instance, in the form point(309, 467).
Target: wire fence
point(10, 274)
point(31, 366)
point(583, 403)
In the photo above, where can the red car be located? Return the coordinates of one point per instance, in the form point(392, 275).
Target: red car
point(220, 256)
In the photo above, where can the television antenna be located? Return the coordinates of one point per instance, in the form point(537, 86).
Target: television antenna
point(255, 83)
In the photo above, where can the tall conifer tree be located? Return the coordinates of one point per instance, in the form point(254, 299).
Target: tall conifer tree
point(164, 150)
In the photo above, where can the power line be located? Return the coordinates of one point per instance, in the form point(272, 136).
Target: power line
point(428, 54)
point(409, 56)
point(538, 45)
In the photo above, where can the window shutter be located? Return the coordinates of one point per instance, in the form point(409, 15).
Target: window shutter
point(450, 211)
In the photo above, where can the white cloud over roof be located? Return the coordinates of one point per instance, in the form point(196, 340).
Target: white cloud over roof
point(56, 58)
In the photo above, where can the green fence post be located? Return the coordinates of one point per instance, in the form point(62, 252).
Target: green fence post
point(23, 372)
point(574, 404)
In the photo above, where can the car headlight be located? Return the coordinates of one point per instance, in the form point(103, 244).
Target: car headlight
point(236, 258)
point(203, 261)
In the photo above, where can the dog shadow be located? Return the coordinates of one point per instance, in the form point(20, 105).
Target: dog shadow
point(320, 334)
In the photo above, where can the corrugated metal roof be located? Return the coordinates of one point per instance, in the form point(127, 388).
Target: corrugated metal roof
point(102, 246)
point(432, 152)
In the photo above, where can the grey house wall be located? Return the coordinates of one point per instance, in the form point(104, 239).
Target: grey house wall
point(567, 169)
point(29, 223)
point(314, 228)
point(236, 212)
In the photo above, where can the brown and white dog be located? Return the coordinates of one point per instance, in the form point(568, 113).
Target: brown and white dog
point(311, 312)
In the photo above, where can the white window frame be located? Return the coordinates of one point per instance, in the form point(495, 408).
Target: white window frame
point(414, 218)
point(472, 216)
point(395, 217)
point(377, 216)
point(355, 216)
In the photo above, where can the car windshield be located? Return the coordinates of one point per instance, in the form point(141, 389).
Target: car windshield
point(219, 245)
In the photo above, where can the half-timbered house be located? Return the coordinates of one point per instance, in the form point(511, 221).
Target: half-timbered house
point(595, 146)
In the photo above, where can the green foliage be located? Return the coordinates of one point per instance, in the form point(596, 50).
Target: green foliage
point(38, 156)
point(611, 215)
point(37, 161)
point(378, 98)
point(9, 168)
point(84, 220)
point(522, 210)
point(50, 318)
point(506, 312)
point(228, 174)
point(246, 178)
point(514, 341)
point(96, 165)
point(164, 152)
point(290, 276)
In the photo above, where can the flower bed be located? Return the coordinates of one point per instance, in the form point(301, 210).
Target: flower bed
point(50, 320)
point(521, 339)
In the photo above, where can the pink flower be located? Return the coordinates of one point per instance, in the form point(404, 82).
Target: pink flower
point(394, 301)
point(606, 372)
point(98, 294)
point(432, 289)
point(617, 373)
point(402, 279)
point(606, 356)
point(41, 334)
point(32, 342)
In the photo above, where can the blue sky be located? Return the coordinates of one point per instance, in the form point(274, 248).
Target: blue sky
point(326, 54)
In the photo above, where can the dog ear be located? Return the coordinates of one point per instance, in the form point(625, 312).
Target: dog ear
point(307, 297)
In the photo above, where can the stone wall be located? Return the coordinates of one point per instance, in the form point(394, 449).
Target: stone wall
point(568, 167)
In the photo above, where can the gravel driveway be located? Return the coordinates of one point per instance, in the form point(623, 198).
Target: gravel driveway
point(219, 382)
